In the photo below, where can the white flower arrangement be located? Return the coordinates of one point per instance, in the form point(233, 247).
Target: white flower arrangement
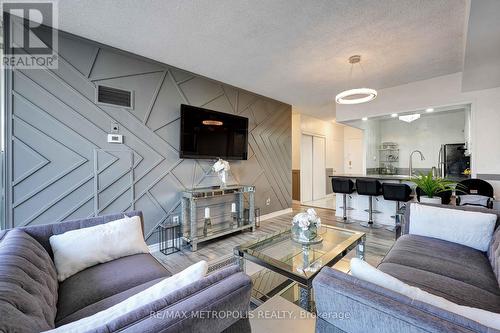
point(306, 219)
point(305, 225)
point(220, 166)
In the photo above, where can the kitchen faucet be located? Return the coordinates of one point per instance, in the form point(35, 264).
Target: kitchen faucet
point(410, 163)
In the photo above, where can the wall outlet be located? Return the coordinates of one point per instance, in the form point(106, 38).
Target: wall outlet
point(175, 219)
point(268, 201)
point(115, 128)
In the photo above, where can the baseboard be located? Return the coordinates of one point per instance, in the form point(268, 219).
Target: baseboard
point(274, 214)
point(154, 247)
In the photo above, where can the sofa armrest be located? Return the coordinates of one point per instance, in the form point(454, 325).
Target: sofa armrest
point(211, 304)
point(354, 305)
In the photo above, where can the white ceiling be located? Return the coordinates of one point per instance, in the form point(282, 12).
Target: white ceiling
point(292, 50)
point(482, 52)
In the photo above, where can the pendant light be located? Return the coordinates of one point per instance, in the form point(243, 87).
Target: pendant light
point(358, 95)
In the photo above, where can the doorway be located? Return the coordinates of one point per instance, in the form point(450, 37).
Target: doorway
point(313, 170)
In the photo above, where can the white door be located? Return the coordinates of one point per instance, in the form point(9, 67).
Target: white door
point(306, 168)
point(319, 170)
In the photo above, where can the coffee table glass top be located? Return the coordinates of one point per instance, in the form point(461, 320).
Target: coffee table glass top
point(280, 252)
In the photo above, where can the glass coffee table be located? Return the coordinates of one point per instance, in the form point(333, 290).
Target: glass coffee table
point(301, 263)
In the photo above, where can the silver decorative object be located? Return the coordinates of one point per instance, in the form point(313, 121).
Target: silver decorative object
point(305, 228)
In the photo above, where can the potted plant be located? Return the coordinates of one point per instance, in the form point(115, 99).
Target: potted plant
point(432, 186)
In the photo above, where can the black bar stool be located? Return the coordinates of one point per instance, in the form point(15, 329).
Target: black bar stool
point(344, 186)
point(399, 193)
point(370, 187)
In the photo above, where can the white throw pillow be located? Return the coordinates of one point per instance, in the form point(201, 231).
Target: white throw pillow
point(365, 271)
point(160, 290)
point(78, 249)
point(472, 229)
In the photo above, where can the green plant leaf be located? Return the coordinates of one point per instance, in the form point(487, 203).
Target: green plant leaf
point(432, 186)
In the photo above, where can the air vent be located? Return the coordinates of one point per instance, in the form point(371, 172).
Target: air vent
point(114, 96)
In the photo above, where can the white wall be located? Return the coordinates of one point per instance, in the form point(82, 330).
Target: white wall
point(354, 158)
point(333, 133)
point(426, 134)
point(444, 91)
point(371, 136)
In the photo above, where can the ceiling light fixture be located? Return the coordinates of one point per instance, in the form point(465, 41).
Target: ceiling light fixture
point(394, 115)
point(429, 110)
point(358, 95)
point(410, 117)
point(364, 118)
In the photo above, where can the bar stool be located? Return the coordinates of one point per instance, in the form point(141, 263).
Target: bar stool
point(370, 187)
point(399, 193)
point(344, 186)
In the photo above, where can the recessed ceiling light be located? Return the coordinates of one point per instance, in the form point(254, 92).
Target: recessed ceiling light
point(394, 115)
point(409, 117)
point(429, 110)
point(364, 118)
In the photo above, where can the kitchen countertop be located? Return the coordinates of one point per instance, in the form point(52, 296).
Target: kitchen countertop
point(371, 176)
point(383, 177)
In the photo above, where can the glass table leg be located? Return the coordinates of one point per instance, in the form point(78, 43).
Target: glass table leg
point(305, 298)
point(360, 249)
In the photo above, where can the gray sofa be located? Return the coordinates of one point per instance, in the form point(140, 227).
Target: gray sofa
point(458, 273)
point(32, 300)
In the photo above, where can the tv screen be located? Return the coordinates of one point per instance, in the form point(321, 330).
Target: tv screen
point(207, 134)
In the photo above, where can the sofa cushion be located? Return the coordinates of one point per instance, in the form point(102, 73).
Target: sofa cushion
point(28, 284)
point(407, 220)
point(366, 272)
point(43, 232)
point(456, 272)
point(104, 280)
point(106, 303)
point(139, 300)
point(78, 249)
point(473, 229)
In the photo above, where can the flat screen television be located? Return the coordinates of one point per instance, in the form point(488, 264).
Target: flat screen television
point(208, 134)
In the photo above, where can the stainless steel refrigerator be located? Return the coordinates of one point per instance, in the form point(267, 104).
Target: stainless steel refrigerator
point(453, 161)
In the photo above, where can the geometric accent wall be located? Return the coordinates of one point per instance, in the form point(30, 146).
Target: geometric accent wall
point(61, 167)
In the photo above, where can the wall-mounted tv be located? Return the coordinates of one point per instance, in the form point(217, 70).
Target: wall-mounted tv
point(208, 134)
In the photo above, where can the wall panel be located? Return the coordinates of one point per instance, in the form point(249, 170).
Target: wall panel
point(57, 128)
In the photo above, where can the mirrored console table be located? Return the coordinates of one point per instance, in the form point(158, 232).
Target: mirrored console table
point(196, 230)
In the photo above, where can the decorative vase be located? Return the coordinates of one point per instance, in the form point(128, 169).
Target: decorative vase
point(305, 228)
point(305, 235)
point(433, 200)
point(223, 178)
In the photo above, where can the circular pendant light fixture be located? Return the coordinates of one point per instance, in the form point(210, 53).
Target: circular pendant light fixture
point(358, 95)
